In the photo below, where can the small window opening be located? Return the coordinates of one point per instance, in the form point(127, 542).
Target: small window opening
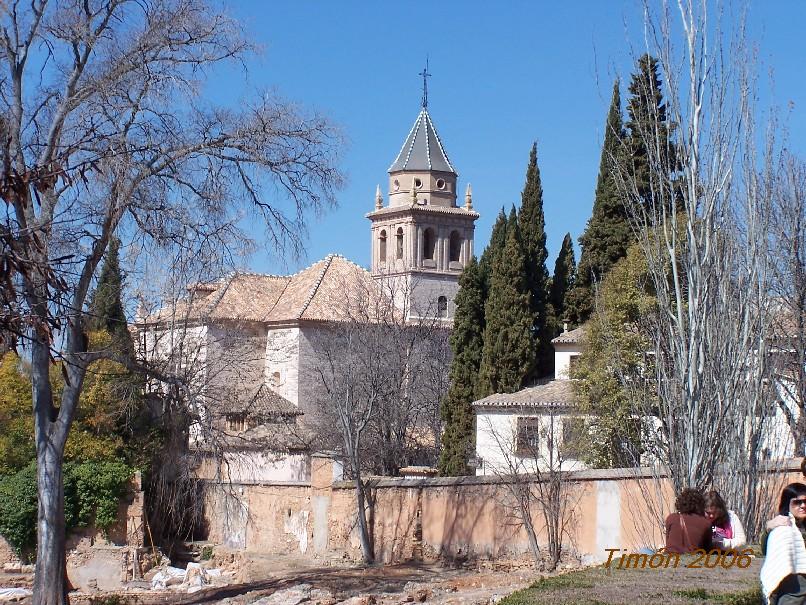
point(399, 248)
point(442, 307)
point(429, 244)
point(440, 183)
point(455, 246)
point(382, 239)
point(528, 438)
point(418, 183)
point(236, 422)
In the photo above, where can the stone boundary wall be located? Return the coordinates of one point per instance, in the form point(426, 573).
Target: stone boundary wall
point(429, 518)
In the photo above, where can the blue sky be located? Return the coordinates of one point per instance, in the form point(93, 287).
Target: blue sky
point(504, 74)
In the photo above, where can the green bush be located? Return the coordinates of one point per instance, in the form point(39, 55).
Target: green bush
point(92, 491)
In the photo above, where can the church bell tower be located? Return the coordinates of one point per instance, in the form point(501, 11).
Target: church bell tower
point(421, 240)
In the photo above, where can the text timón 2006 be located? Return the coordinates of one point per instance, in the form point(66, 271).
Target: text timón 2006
point(665, 560)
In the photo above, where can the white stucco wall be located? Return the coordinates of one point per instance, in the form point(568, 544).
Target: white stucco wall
point(562, 359)
point(496, 434)
point(282, 358)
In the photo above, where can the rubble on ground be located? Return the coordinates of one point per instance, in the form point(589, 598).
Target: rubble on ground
point(192, 579)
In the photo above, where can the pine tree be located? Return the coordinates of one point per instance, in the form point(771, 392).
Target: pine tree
point(562, 282)
point(467, 341)
point(532, 223)
point(607, 234)
point(508, 354)
point(106, 306)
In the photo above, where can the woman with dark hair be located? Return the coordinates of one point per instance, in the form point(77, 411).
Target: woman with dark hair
point(727, 531)
point(783, 575)
point(688, 530)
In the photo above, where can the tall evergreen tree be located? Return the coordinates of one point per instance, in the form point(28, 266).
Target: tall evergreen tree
point(607, 234)
point(467, 341)
point(508, 354)
point(498, 239)
point(532, 223)
point(106, 306)
point(562, 282)
point(647, 124)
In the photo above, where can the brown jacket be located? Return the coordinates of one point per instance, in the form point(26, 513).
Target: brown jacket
point(687, 533)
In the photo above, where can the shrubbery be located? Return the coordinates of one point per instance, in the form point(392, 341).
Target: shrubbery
point(92, 491)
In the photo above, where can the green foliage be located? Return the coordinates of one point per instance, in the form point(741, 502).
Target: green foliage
point(16, 418)
point(18, 503)
point(498, 239)
point(648, 124)
point(92, 492)
point(614, 344)
point(562, 282)
point(467, 342)
point(608, 233)
point(508, 353)
point(532, 224)
point(106, 306)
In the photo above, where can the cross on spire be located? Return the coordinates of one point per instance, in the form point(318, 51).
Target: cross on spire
point(425, 76)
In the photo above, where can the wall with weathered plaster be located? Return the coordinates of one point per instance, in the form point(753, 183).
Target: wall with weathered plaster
point(457, 518)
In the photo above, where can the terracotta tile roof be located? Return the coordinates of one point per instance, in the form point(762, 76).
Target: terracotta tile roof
point(574, 336)
point(317, 293)
point(553, 393)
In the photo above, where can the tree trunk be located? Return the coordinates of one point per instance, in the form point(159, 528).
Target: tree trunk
point(367, 549)
point(49, 582)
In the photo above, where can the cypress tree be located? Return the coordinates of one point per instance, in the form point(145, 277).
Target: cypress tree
point(532, 223)
point(508, 354)
point(562, 282)
point(106, 306)
point(647, 123)
point(607, 234)
point(498, 238)
point(467, 341)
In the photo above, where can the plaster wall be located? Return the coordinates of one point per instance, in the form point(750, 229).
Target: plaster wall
point(454, 518)
point(282, 362)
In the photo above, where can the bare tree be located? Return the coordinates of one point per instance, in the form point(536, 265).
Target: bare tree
point(788, 255)
point(701, 223)
point(530, 456)
point(375, 368)
point(106, 131)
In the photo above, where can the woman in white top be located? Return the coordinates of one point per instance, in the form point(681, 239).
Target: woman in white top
point(727, 532)
point(783, 575)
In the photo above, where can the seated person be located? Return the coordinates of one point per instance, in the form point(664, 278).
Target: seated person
point(783, 575)
point(727, 532)
point(688, 530)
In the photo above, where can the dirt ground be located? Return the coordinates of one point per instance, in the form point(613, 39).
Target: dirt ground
point(273, 581)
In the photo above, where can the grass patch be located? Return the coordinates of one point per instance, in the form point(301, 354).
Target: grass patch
point(600, 586)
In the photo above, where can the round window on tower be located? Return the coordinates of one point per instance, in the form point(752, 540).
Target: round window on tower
point(440, 183)
point(418, 183)
point(396, 184)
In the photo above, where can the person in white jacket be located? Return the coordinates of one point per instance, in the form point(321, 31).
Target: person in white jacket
point(727, 531)
point(783, 575)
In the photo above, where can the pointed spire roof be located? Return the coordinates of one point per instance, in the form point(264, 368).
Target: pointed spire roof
point(422, 150)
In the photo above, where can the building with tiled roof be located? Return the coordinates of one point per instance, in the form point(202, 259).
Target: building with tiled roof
point(535, 427)
point(259, 338)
